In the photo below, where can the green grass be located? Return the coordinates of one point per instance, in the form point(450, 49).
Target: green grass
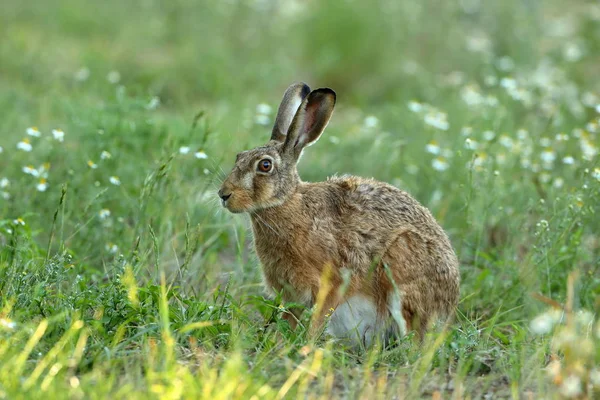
point(148, 289)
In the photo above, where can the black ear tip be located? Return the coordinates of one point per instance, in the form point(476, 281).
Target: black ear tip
point(325, 92)
point(305, 89)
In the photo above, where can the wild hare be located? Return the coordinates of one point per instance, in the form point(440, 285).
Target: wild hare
point(387, 266)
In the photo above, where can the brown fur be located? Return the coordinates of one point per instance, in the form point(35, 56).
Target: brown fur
point(358, 228)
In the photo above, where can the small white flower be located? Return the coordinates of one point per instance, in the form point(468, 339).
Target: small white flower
point(545, 142)
point(598, 108)
point(24, 145)
point(558, 183)
point(113, 77)
point(508, 83)
point(415, 106)
point(105, 155)
point(7, 323)
point(595, 174)
point(5, 195)
point(440, 164)
point(571, 386)
point(505, 63)
point(489, 135)
point(19, 221)
point(545, 177)
point(261, 119)
point(543, 323)
point(30, 170)
point(115, 180)
point(595, 376)
point(522, 134)
point(92, 164)
point(111, 248)
point(506, 141)
point(371, 121)
point(184, 150)
point(548, 156)
point(561, 137)
point(42, 185)
point(568, 160)
point(206, 171)
point(153, 104)
point(200, 155)
point(466, 131)
point(58, 134)
point(82, 75)
point(432, 147)
point(438, 120)
point(471, 144)
point(263, 109)
point(4, 182)
point(104, 213)
point(33, 131)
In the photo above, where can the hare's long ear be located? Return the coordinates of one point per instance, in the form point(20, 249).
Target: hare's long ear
point(310, 121)
point(292, 98)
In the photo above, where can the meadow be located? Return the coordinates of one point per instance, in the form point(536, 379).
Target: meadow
point(121, 275)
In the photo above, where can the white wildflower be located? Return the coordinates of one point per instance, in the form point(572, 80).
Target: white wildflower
point(24, 145)
point(42, 185)
point(5, 195)
point(206, 171)
point(184, 150)
point(263, 108)
point(506, 141)
point(568, 160)
point(113, 77)
point(261, 119)
point(440, 164)
point(115, 180)
point(595, 377)
point(30, 170)
point(508, 83)
point(466, 131)
point(370, 122)
point(522, 134)
point(438, 120)
point(92, 164)
point(4, 182)
point(19, 221)
point(7, 323)
point(543, 323)
point(111, 248)
point(489, 135)
point(200, 155)
point(82, 74)
point(471, 95)
point(545, 142)
point(153, 103)
point(571, 387)
point(471, 144)
point(561, 137)
point(558, 183)
point(544, 177)
point(104, 213)
point(432, 147)
point(58, 134)
point(505, 64)
point(595, 174)
point(598, 108)
point(33, 131)
point(415, 106)
point(587, 148)
point(105, 155)
point(548, 156)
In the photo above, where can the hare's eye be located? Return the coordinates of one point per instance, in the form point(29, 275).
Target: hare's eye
point(265, 165)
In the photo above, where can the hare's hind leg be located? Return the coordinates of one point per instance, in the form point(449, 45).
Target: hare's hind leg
point(404, 278)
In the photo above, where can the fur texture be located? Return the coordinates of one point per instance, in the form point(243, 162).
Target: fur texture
point(391, 266)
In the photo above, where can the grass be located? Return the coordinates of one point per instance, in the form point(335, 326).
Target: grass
point(123, 278)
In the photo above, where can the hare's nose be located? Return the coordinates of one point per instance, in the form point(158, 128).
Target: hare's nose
point(224, 196)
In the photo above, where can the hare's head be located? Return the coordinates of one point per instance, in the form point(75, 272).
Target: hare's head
point(266, 176)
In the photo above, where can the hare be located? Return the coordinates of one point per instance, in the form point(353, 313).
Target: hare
point(385, 263)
